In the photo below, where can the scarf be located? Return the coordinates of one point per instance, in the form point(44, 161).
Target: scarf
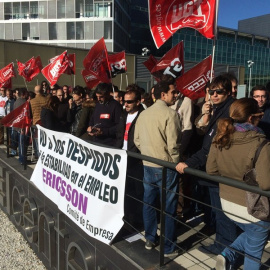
point(242, 127)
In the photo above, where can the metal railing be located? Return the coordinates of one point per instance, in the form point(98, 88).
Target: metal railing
point(192, 172)
point(167, 165)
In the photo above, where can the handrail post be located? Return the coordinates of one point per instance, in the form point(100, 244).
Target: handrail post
point(24, 150)
point(8, 140)
point(162, 216)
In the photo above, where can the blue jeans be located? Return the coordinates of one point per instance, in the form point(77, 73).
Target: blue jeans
point(152, 189)
point(226, 231)
point(251, 242)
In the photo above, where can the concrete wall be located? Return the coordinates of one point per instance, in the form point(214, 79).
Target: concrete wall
point(21, 51)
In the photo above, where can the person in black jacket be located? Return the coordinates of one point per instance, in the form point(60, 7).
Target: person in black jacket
point(48, 114)
point(75, 108)
point(125, 140)
point(221, 100)
point(106, 116)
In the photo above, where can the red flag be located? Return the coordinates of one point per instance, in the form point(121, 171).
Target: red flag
point(96, 65)
point(20, 117)
point(117, 63)
point(166, 17)
point(193, 82)
point(150, 63)
point(172, 63)
point(71, 64)
point(6, 73)
point(58, 66)
point(30, 69)
point(6, 84)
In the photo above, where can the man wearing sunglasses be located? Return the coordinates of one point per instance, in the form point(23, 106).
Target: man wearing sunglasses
point(261, 95)
point(125, 140)
point(221, 100)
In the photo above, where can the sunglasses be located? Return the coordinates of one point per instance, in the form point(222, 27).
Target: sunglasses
point(258, 115)
point(218, 91)
point(129, 101)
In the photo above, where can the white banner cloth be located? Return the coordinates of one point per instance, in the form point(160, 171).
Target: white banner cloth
point(85, 181)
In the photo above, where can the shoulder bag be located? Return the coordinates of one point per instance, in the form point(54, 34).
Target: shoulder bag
point(257, 205)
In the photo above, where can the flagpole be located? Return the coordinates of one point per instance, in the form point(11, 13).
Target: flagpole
point(25, 83)
point(108, 64)
point(214, 42)
point(121, 81)
point(127, 79)
point(71, 81)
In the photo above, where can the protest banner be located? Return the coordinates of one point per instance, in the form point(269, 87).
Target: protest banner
point(85, 181)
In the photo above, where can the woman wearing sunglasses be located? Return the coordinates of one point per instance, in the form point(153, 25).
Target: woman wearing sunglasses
point(231, 155)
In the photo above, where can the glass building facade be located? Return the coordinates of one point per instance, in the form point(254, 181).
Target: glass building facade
point(233, 48)
point(70, 23)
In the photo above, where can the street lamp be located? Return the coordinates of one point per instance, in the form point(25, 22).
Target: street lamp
point(250, 64)
point(145, 51)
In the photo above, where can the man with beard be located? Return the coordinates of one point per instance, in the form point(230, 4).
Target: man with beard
point(158, 134)
point(106, 116)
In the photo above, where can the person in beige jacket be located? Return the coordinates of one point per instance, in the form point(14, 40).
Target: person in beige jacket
point(231, 155)
point(157, 134)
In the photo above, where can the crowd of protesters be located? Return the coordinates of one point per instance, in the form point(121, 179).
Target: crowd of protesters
point(161, 124)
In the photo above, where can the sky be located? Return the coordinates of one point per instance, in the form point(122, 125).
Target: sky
point(231, 11)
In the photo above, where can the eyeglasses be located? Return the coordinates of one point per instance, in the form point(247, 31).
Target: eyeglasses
point(258, 115)
point(218, 91)
point(262, 96)
point(129, 101)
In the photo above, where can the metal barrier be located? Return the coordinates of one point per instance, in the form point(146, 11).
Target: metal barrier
point(192, 172)
point(167, 165)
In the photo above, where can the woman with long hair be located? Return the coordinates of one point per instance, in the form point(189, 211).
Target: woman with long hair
point(231, 155)
point(48, 114)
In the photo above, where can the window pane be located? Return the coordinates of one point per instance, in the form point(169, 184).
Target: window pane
point(25, 10)
point(79, 30)
point(26, 31)
point(52, 31)
point(89, 8)
point(60, 9)
point(8, 11)
point(34, 31)
point(89, 32)
point(52, 9)
point(42, 12)
point(34, 10)
point(70, 9)
point(79, 8)
point(108, 30)
point(16, 10)
point(61, 30)
point(43, 26)
point(70, 30)
point(98, 30)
